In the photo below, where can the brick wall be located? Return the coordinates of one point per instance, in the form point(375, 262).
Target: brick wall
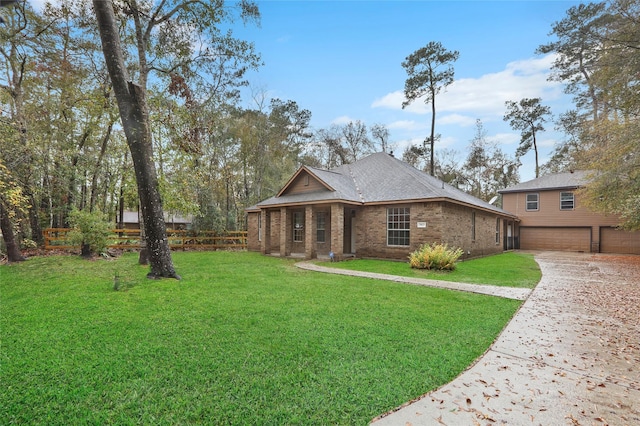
point(275, 231)
point(323, 248)
point(440, 222)
point(253, 243)
point(457, 231)
point(443, 222)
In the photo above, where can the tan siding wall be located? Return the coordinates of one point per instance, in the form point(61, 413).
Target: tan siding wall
point(550, 215)
point(305, 183)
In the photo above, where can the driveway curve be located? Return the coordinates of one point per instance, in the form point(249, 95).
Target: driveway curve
point(570, 355)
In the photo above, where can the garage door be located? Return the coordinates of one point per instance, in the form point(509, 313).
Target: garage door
point(563, 239)
point(618, 241)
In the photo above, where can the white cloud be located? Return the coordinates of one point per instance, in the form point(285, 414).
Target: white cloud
point(547, 142)
point(344, 119)
point(408, 125)
point(445, 142)
point(484, 97)
point(391, 100)
point(514, 139)
point(460, 120)
point(505, 138)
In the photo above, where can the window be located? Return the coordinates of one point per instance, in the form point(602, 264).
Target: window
point(532, 202)
point(320, 231)
point(473, 226)
point(298, 226)
point(566, 201)
point(260, 226)
point(398, 226)
point(497, 230)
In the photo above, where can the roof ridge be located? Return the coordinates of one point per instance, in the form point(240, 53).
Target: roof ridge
point(355, 183)
point(317, 168)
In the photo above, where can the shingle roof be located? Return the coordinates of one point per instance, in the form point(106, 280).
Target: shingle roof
point(379, 178)
point(567, 180)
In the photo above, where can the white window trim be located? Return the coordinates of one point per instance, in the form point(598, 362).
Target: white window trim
point(298, 231)
point(573, 201)
point(526, 201)
point(324, 226)
point(395, 210)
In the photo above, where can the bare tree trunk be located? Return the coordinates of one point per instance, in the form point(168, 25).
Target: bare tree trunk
point(94, 178)
point(13, 251)
point(432, 167)
point(34, 220)
point(135, 121)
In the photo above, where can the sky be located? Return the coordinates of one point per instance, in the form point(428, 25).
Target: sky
point(341, 60)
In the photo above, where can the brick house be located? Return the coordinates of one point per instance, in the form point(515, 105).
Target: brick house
point(553, 218)
point(377, 207)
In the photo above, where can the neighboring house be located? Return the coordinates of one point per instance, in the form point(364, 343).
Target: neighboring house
point(129, 220)
point(377, 207)
point(552, 217)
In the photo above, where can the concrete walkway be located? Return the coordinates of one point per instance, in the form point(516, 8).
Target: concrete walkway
point(570, 355)
point(491, 290)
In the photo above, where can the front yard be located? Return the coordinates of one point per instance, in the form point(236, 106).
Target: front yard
point(511, 269)
point(242, 339)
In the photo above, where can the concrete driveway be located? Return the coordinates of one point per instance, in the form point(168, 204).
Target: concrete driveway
point(570, 356)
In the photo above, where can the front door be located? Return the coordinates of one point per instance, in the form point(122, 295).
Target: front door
point(349, 231)
point(353, 235)
point(297, 230)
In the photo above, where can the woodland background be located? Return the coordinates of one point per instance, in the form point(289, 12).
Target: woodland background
point(62, 146)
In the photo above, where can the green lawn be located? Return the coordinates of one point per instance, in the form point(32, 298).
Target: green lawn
point(242, 339)
point(506, 269)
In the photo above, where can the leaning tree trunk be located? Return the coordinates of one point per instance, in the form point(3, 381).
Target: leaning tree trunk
point(135, 121)
point(13, 251)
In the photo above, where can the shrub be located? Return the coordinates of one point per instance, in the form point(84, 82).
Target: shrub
point(435, 256)
point(28, 244)
point(90, 230)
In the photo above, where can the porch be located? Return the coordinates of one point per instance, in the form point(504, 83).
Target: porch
point(309, 232)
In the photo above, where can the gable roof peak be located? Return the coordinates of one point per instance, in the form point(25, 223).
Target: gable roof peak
point(378, 178)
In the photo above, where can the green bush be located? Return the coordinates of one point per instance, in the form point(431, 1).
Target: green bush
point(90, 230)
point(28, 244)
point(435, 256)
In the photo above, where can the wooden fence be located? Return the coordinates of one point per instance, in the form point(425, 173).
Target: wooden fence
point(56, 239)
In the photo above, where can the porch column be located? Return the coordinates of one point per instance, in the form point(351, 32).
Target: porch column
point(337, 230)
point(265, 244)
point(284, 232)
point(309, 233)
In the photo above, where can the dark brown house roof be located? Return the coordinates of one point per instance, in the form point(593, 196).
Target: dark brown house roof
point(376, 179)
